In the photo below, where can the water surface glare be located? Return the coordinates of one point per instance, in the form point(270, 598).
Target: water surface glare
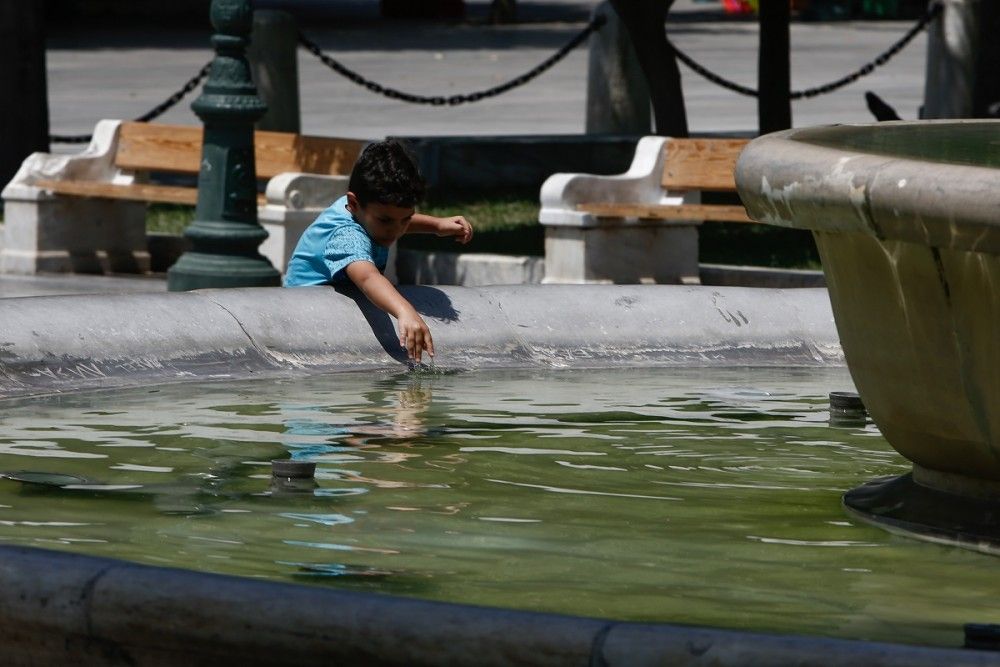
point(702, 496)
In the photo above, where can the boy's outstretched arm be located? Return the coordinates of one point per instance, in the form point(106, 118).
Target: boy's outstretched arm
point(454, 225)
point(413, 332)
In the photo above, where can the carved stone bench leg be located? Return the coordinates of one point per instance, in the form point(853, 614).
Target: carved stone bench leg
point(622, 253)
point(284, 228)
point(293, 202)
point(58, 234)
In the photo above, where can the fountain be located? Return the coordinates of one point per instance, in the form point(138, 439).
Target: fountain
point(905, 218)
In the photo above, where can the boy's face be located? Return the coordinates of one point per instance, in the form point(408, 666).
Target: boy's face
point(384, 223)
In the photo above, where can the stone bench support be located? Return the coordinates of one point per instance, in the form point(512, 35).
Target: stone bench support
point(583, 248)
point(45, 232)
point(57, 233)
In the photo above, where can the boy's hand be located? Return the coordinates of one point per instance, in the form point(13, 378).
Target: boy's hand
point(413, 333)
point(457, 226)
point(415, 336)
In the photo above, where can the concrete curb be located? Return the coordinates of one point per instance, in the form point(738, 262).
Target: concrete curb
point(759, 276)
point(63, 343)
point(85, 610)
point(414, 267)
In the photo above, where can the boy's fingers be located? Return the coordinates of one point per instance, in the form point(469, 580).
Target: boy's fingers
point(416, 341)
point(418, 346)
point(406, 341)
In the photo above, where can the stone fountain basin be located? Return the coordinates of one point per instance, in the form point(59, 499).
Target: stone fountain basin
point(906, 216)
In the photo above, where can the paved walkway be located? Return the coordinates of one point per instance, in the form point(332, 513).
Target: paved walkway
point(102, 73)
point(50, 285)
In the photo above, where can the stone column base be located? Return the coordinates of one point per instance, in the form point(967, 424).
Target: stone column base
point(622, 253)
point(56, 234)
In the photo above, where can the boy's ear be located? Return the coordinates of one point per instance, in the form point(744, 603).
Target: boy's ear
point(352, 203)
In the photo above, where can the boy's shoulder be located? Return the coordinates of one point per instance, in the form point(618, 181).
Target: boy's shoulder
point(334, 219)
point(337, 212)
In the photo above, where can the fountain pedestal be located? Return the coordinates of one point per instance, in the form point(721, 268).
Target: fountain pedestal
point(906, 217)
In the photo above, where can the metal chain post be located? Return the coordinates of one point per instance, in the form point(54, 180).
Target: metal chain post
point(225, 233)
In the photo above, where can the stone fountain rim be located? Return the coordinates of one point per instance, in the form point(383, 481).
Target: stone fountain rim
point(60, 607)
point(66, 343)
point(786, 181)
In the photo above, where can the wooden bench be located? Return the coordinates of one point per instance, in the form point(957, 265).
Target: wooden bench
point(640, 226)
point(86, 212)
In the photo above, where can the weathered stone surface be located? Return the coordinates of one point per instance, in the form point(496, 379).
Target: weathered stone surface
point(904, 216)
point(63, 343)
point(469, 269)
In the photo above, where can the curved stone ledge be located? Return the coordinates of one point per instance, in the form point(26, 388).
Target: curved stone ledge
point(62, 343)
point(58, 608)
point(910, 181)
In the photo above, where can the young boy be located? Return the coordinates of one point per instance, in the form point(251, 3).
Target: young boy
point(349, 242)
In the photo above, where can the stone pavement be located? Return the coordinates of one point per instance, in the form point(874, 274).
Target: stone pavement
point(50, 285)
point(121, 73)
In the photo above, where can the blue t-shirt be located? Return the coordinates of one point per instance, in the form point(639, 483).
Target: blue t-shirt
point(328, 245)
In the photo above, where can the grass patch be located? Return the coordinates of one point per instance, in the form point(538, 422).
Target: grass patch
point(757, 245)
point(754, 245)
point(508, 225)
point(503, 225)
point(168, 218)
point(494, 214)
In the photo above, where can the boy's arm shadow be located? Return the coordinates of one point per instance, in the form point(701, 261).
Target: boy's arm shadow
point(426, 300)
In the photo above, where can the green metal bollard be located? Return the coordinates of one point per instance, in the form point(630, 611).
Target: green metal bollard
point(225, 233)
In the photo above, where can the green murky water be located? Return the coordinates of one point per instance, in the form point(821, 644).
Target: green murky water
point(690, 496)
point(971, 144)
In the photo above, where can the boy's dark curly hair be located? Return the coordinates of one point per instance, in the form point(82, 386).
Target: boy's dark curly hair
point(386, 173)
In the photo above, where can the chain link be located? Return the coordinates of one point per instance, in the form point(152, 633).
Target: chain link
point(933, 11)
point(453, 100)
point(155, 112)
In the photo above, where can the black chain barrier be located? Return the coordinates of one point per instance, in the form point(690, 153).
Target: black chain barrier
point(155, 112)
point(453, 100)
point(933, 11)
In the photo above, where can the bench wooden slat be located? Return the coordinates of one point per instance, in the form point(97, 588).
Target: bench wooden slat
point(177, 148)
point(164, 194)
point(717, 212)
point(701, 164)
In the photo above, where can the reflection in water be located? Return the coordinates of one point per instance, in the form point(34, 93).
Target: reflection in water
point(402, 421)
point(394, 415)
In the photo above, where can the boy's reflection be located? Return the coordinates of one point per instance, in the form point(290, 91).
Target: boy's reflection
point(394, 416)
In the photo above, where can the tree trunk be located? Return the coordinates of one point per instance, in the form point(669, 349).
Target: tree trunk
point(986, 99)
point(952, 44)
point(422, 9)
point(645, 21)
point(503, 11)
point(24, 115)
point(617, 95)
point(774, 106)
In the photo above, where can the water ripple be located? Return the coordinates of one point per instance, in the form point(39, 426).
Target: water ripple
point(581, 492)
